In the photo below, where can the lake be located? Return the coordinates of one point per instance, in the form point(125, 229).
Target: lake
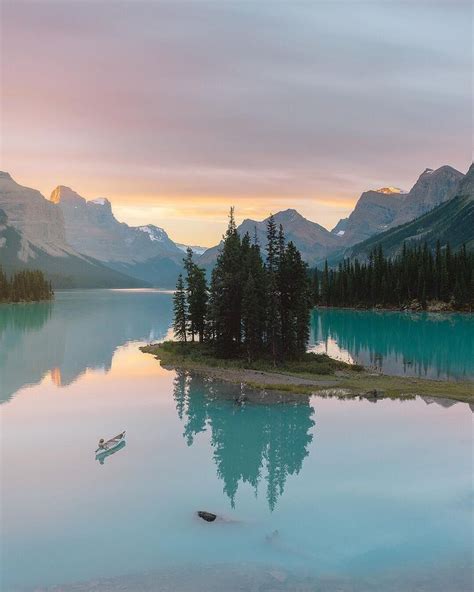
point(312, 494)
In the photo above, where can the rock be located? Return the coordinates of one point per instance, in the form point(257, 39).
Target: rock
point(207, 516)
point(372, 395)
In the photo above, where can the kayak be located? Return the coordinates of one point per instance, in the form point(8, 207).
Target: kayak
point(105, 448)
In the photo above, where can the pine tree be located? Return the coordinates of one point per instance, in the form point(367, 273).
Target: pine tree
point(250, 318)
point(180, 323)
point(226, 293)
point(196, 296)
point(414, 274)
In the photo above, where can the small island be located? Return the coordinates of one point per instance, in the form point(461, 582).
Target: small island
point(251, 326)
point(25, 286)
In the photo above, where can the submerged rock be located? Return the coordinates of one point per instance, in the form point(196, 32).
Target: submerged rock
point(241, 399)
point(207, 516)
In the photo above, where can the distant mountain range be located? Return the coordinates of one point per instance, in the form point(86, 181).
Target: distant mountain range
point(374, 213)
point(452, 221)
point(80, 243)
point(143, 252)
point(32, 235)
point(313, 241)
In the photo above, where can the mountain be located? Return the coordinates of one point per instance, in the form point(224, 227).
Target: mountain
point(341, 227)
point(314, 242)
point(32, 235)
point(431, 189)
point(373, 213)
point(387, 207)
point(70, 270)
point(143, 252)
point(39, 221)
point(451, 221)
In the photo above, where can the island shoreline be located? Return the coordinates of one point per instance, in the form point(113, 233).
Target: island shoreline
point(343, 383)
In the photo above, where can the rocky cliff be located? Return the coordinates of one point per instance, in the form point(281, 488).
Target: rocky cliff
point(40, 223)
point(373, 213)
point(432, 188)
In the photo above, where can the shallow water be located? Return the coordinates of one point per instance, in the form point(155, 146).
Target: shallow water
point(321, 494)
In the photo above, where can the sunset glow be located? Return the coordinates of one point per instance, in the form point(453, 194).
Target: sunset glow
point(175, 111)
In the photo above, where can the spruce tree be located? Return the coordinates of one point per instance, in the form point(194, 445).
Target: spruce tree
point(273, 296)
point(226, 293)
point(196, 296)
point(250, 318)
point(180, 321)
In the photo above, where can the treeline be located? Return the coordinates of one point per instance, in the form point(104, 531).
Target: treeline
point(415, 274)
point(254, 306)
point(24, 286)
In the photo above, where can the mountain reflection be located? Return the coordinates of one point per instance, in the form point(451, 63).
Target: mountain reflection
point(76, 332)
point(252, 442)
point(434, 345)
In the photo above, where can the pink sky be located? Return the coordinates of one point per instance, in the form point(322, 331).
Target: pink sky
point(177, 110)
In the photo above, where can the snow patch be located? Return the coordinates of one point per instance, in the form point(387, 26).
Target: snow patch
point(100, 201)
point(195, 249)
point(341, 232)
point(390, 190)
point(155, 234)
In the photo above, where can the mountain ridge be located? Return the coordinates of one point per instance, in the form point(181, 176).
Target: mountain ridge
point(92, 229)
point(451, 221)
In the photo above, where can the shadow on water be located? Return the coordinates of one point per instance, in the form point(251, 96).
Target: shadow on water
point(252, 442)
point(78, 331)
point(432, 345)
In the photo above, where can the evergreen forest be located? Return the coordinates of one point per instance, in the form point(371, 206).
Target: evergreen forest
point(24, 286)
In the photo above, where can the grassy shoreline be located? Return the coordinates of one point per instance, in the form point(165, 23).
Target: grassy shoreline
point(315, 374)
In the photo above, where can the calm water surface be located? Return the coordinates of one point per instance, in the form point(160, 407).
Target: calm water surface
point(318, 494)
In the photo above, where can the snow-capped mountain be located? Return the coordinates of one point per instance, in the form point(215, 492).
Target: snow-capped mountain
point(387, 207)
point(432, 188)
point(451, 221)
point(145, 252)
point(33, 235)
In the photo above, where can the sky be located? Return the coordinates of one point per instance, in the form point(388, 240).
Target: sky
point(176, 110)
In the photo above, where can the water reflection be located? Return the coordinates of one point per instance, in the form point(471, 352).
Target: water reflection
point(433, 345)
point(252, 442)
point(102, 456)
point(76, 332)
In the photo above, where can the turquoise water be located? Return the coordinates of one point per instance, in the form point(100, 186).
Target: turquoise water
point(430, 345)
point(312, 494)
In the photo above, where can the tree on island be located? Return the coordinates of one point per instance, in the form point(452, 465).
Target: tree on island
point(253, 307)
point(196, 296)
point(180, 321)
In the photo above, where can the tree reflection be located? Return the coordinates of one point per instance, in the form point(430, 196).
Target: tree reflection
point(251, 442)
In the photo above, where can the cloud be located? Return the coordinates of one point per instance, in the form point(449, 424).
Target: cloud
point(235, 100)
